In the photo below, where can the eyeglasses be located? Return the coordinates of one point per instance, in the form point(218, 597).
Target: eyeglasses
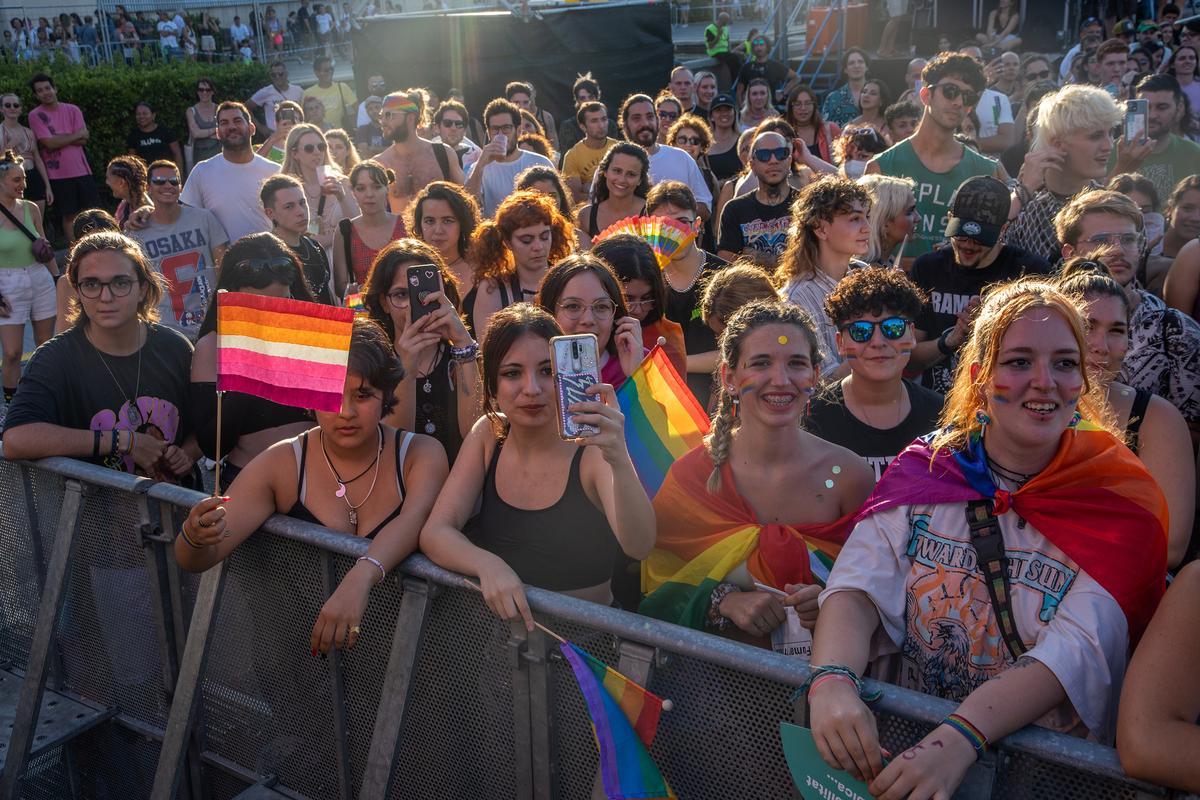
point(639, 305)
point(505, 129)
point(1126, 241)
point(204, 88)
point(119, 286)
point(952, 92)
point(668, 115)
point(12, 105)
point(1041, 75)
point(453, 123)
point(862, 330)
point(765, 154)
point(310, 147)
point(573, 309)
point(161, 181)
point(688, 140)
point(398, 298)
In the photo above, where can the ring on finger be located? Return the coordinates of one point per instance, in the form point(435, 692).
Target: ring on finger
point(356, 629)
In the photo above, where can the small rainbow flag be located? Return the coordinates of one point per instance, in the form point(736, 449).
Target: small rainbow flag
point(288, 351)
point(662, 418)
point(624, 720)
point(354, 302)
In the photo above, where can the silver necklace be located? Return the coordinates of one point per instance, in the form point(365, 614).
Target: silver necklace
point(692, 282)
point(132, 412)
point(342, 491)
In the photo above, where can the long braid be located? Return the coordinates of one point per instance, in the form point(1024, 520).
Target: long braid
point(719, 439)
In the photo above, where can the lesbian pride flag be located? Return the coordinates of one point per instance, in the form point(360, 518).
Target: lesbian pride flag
point(288, 351)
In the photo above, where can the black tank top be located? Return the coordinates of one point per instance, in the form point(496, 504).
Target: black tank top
point(437, 405)
point(725, 165)
point(1137, 415)
point(566, 546)
point(510, 292)
point(594, 223)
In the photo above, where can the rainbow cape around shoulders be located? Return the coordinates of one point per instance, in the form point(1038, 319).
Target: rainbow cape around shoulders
point(702, 537)
point(1094, 501)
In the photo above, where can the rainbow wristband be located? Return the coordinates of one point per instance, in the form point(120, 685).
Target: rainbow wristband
point(969, 732)
point(830, 676)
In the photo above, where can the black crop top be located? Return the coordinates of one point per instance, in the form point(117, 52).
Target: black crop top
point(563, 547)
point(300, 511)
point(242, 415)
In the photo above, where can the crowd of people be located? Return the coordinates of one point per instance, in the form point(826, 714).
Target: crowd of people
point(949, 346)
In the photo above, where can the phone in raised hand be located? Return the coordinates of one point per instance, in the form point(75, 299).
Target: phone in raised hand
point(575, 361)
point(423, 280)
point(1137, 113)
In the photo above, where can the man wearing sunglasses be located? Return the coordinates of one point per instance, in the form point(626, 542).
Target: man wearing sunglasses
point(954, 277)
point(781, 77)
point(185, 245)
point(755, 225)
point(338, 98)
point(451, 121)
point(274, 93)
point(416, 161)
point(932, 157)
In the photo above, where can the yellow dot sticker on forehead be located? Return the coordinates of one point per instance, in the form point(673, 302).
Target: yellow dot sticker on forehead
point(783, 340)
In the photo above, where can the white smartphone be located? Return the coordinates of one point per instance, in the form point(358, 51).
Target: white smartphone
point(1136, 114)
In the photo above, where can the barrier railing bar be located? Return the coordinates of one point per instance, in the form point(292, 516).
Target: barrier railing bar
point(35, 533)
point(522, 741)
point(159, 592)
point(541, 714)
point(188, 690)
point(396, 689)
point(337, 690)
point(29, 702)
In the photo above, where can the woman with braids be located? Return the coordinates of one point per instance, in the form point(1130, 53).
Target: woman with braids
point(529, 524)
point(259, 264)
point(512, 252)
point(1013, 558)
point(439, 394)
point(446, 216)
point(738, 516)
point(619, 190)
point(127, 179)
point(352, 473)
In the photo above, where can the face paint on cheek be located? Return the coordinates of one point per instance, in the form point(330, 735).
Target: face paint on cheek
point(1000, 395)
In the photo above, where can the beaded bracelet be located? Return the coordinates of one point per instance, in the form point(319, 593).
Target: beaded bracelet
point(376, 562)
point(969, 732)
point(115, 446)
point(468, 353)
point(845, 672)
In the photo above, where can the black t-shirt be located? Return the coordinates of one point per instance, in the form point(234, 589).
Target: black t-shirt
point(67, 384)
point(951, 287)
point(749, 226)
point(829, 418)
point(774, 71)
point(370, 135)
point(684, 309)
point(152, 145)
point(316, 268)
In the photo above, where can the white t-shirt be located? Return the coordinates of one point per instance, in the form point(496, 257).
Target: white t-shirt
point(230, 192)
point(993, 110)
point(238, 33)
point(167, 27)
point(672, 164)
point(268, 96)
point(324, 23)
point(499, 177)
point(917, 565)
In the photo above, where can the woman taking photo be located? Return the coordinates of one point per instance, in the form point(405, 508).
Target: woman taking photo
point(20, 139)
point(1010, 651)
point(288, 115)
point(723, 156)
point(893, 218)
point(394, 477)
point(841, 105)
point(259, 264)
point(445, 216)
point(584, 295)
point(202, 123)
point(439, 394)
point(619, 191)
point(757, 107)
point(744, 509)
point(512, 252)
point(329, 192)
point(358, 241)
point(804, 116)
point(1153, 428)
point(127, 180)
point(532, 527)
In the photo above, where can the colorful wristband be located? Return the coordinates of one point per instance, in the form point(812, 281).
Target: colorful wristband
point(969, 732)
point(183, 532)
point(830, 676)
point(376, 562)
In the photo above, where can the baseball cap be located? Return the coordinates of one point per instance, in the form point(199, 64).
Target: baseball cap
point(979, 209)
point(1147, 25)
point(723, 99)
point(373, 99)
point(1123, 27)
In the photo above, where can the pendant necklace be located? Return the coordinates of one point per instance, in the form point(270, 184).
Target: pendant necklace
point(342, 484)
point(132, 413)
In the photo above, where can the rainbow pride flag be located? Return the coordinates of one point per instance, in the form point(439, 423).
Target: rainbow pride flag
point(288, 351)
point(624, 720)
point(354, 301)
point(662, 418)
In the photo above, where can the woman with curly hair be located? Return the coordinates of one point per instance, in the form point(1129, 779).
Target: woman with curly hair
point(619, 190)
point(512, 252)
point(127, 179)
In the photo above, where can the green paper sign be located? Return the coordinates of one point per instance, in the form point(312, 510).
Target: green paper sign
point(815, 779)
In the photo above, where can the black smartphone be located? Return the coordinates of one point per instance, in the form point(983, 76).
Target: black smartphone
point(424, 280)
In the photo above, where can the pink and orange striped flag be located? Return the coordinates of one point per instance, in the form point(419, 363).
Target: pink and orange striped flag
point(288, 351)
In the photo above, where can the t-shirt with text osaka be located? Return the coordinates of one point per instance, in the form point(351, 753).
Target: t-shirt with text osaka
point(70, 383)
point(934, 189)
point(749, 226)
point(182, 252)
point(950, 287)
point(63, 162)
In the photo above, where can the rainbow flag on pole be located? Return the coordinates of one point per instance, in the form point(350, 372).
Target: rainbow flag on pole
point(624, 720)
point(288, 351)
point(662, 418)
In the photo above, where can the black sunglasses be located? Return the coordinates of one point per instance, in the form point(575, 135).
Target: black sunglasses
point(764, 154)
point(279, 266)
point(12, 105)
point(161, 181)
point(952, 92)
point(453, 123)
point(862, 330)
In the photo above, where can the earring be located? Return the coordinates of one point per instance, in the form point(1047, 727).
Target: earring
point(736, 403)
point(1076, 418)
point(983, 419)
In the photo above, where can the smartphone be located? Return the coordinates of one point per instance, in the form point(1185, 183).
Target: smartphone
point(423, 280)
point(1136, 114)
point(575, 360)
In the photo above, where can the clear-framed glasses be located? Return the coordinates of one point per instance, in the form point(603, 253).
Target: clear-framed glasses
point(573, 309)
point(1126, 241)
point(640, 305)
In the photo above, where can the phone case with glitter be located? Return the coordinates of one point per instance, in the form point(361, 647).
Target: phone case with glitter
point(576, 363)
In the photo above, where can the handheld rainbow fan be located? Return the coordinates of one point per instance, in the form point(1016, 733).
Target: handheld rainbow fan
point(664, 235)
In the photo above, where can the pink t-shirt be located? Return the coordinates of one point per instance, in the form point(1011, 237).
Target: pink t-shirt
point(66, 162)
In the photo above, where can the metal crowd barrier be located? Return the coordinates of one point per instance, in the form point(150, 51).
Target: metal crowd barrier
point(122, 677)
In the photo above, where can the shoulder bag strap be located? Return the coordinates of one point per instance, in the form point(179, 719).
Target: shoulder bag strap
point(345, 226)
point(20, 225)
point(443, 160)
point(989, 549)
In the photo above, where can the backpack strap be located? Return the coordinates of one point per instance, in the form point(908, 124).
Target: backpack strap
point(989, 550)
point(344, 227)
point(443, 160)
